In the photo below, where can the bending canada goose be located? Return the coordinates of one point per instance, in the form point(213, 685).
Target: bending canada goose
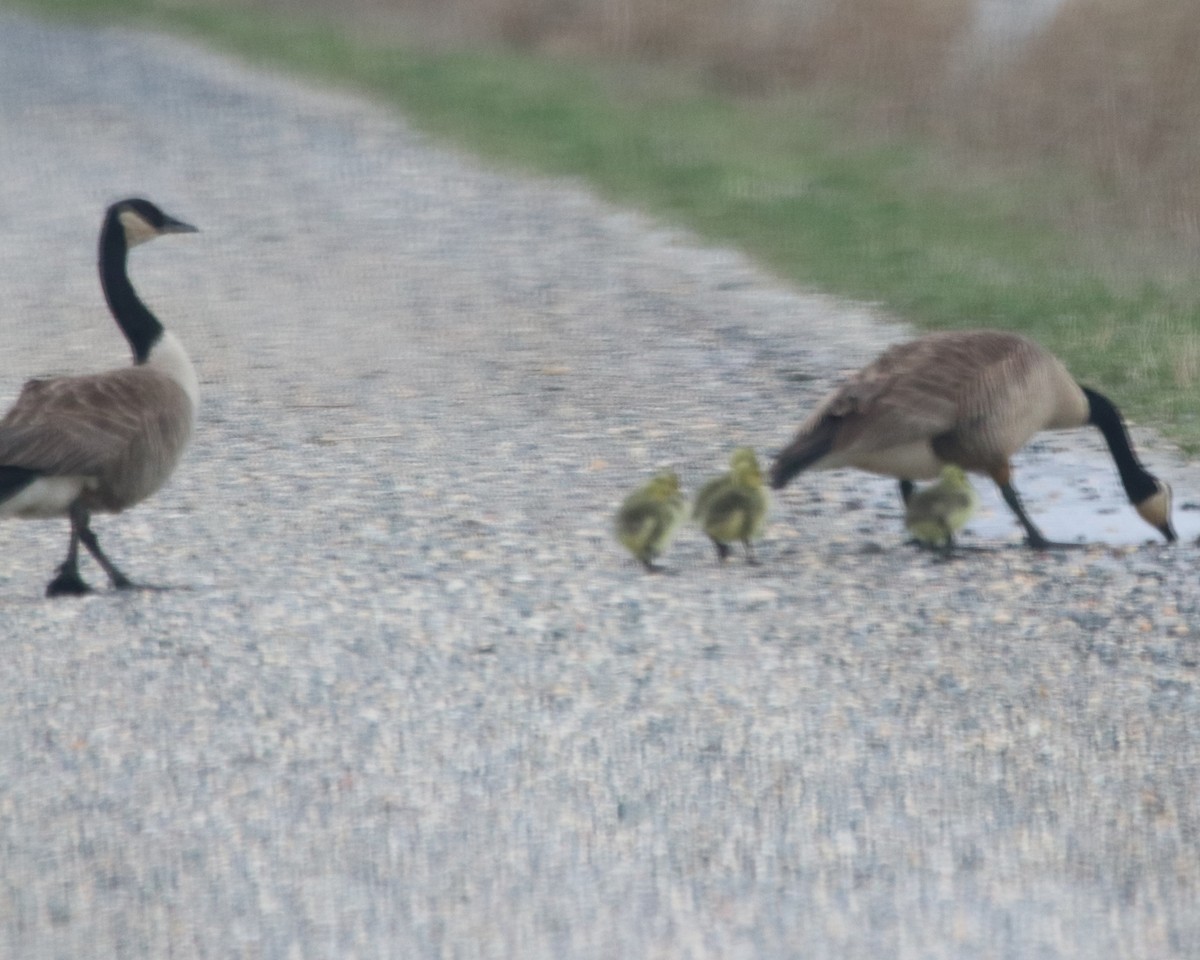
point(934, 515)
point(648, 517)
point(971, 398)
point(734, 505)
point(71, 446)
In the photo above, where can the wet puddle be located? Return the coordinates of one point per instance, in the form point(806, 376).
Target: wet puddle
point(1073, 493)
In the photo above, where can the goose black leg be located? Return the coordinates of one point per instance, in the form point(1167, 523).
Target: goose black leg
point(81, 527)
point(1033, 536)
point(69, 583)
point(722, 550)
point(906, 490)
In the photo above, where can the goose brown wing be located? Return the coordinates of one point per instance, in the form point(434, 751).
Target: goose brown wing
point(893, 401)
point(83, 425)
point(928, 387)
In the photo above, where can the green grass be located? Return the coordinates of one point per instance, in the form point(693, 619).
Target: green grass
point(780, 178)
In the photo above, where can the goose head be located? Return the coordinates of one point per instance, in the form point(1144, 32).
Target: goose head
point(141, 221)
point(1156, 510)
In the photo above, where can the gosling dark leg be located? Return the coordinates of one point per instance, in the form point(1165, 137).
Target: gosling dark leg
point(723, 550)
point(948, 543)
point(80, 520)
point(69, 583)
point(906, 491)
point(946, 549)
point(750, 557)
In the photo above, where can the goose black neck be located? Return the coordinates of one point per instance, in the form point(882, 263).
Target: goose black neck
point(1137, 481)
point(140, 326)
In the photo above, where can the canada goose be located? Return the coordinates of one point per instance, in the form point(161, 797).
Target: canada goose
point(71, 446)
point(935, 514)
point(971, 398)
point(647, 518)
point(733, 506)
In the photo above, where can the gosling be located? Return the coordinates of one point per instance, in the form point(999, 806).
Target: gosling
point(734, 505)
point(935, 514)
point(648, 518)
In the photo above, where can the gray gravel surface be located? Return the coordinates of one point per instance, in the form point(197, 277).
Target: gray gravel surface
point(405, 698)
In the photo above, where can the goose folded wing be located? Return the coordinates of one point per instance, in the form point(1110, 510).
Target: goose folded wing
point(883, 412)
point(82, 425)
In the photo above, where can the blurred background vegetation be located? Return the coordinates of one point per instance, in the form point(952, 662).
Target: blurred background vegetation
point(1028, 164)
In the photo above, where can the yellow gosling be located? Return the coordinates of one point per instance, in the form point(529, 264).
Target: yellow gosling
point(733, 507)
point(648, 518)
point(935, 514)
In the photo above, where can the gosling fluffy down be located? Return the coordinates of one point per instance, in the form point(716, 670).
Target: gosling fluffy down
point(935, 514)
point(733, 507)
point(649, 517)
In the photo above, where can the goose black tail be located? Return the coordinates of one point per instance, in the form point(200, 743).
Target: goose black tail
point(809, 447)
point(15, 479)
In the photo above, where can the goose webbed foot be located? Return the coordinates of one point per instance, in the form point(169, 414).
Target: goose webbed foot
point(1041, 543)
point(68, 583)
point(81, 530)
point(1033, 536)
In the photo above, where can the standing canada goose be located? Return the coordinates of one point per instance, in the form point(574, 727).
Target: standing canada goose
point(935, 514)
point(971, 398)
point(647, 518)
point(733, 506)
point(71, 446)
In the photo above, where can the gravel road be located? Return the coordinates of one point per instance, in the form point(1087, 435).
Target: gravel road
point(405, 698)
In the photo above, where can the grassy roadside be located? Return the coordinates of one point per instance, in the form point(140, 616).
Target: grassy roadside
point(882, 221)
